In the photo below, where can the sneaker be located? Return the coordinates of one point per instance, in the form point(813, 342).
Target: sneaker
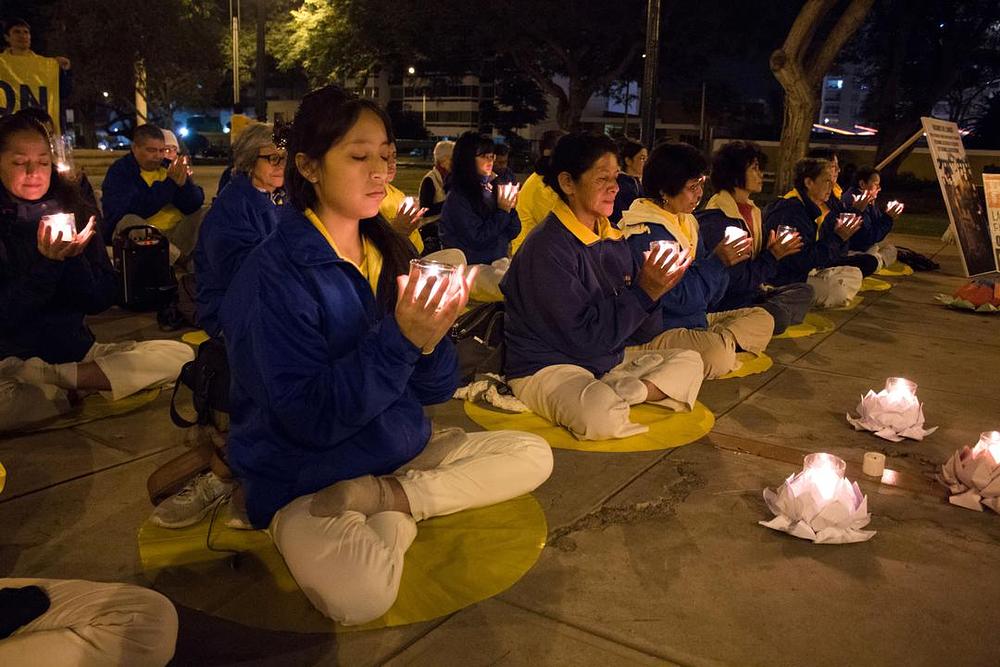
point(192, 503)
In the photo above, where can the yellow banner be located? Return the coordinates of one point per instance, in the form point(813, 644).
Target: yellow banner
point(29, 81)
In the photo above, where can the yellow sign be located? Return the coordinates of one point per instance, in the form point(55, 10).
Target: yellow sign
point(29, 81)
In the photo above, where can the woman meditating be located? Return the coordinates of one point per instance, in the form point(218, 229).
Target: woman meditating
point(52, 275)
point(574, 296)
point(674, 179)
point(737, 173)
point(335, 345)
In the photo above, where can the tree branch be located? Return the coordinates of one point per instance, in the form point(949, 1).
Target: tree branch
point(846, 26)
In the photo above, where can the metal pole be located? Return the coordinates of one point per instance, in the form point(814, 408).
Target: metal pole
point(701, 126)
point(906, 144)
point(261, 82)
point(628, 94)
point(649, 74)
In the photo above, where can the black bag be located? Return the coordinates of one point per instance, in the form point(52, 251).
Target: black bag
point(142, 259)
point(478, 338)
point(915, 260)
point(208, 379)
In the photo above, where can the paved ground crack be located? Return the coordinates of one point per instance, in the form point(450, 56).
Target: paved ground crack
point(675, 493)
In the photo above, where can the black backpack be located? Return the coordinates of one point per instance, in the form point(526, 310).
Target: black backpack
point(208, 379)
point(478, 338)
point(145, 278)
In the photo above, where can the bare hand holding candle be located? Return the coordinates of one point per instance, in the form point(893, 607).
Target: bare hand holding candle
point(973, 475)
point(784, 241)
point(735, 247)
point(664, 266)
point(847, 225)
point(893, 413)
point(430, 298)
point(58, 239)
point(409, 217)
point(894, 209)
point(507, 196)
point(820, 504)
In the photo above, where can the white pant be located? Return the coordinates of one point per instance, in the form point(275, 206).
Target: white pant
point(728, 331)
point(129, 367)
point(835, 286)
point(486, 286)
point(349, 565)
point(90, 623)
point(885, 252)
point(595, 409)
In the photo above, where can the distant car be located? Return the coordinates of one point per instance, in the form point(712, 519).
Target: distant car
point(113, 142)
point(204, 136)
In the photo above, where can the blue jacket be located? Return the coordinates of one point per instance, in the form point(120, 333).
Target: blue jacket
point(686, 306)
point(875, 225)
point(745, 278)
point(571, 297)
point(629, 189)
point(239, 219)
point(325, 387)
point(43, 302)
point(124, 192)
point(484, 238)
point(821, 247)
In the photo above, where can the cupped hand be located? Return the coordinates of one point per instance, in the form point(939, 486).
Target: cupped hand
point(425, 312)
point(659, 275)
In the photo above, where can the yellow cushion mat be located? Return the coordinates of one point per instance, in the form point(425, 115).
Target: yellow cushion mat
point(667, 429)
point(897, 269)
point(195, 338)
point(851, 305)
point(872, 284)
point(751, 364)
point(456, 561)
point(96, 407)
point(3, 477)
point(813, 323)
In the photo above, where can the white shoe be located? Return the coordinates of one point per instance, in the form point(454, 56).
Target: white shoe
point(192, 503)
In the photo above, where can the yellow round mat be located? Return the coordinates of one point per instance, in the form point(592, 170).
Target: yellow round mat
point(851, 305)
point(96, 407)
point(898, 269)
point(195, 338)
point(3, 477)
point(667, 429)
point(872, 284)
point(456, 561)
point(750, 364)
point(812, 324)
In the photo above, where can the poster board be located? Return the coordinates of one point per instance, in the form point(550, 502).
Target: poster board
point(966, 212)
point(991, 187)
point(29, 81)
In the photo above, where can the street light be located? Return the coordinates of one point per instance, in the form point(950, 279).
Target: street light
point(411, 71)
point(106, 94)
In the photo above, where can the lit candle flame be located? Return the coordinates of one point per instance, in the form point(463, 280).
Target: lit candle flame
point(989, 442)
point(824, 471)
point(661, 249)
point(735, 234)
point(62, 225)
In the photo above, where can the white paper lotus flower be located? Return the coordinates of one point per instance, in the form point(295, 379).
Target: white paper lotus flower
point(893, 413)
point(819, 504)
point(973, 474)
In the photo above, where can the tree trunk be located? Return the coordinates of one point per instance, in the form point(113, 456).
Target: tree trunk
point(800, 114)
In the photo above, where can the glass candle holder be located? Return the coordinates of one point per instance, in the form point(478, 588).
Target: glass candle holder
point(63, 225)
point(786, 233)
point(901, 391)
point(660, 249)
point(438, 271)
point(733, 234)
point(824, 471)
point(989, 443)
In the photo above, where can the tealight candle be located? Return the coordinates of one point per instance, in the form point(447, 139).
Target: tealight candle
point(848, 219)
point(900, 391)
point(734, 234)
point(508, 190)
point(661, 249)
point(989, 443)
point(63, 225)
point(825, 471)
point(407, 206)
point(786, 233)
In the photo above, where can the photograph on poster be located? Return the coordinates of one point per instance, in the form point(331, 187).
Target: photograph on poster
point(966, 211)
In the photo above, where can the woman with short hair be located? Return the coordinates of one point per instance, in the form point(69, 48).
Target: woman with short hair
point(876, 223)
point(737, 173)
point(674, 178)
point(575, 295)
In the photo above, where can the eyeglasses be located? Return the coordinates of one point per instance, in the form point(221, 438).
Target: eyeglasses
point(697, 186)
point(274, 159)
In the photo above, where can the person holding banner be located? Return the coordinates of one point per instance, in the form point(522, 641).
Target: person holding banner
point(51, 277)
point(28, 79)
point(142, 188)
point(336, 342)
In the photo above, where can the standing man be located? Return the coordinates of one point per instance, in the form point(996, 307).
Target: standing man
point(17, 35)
point(144, 188)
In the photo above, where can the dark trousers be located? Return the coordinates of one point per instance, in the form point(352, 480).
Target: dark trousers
point(787, 304)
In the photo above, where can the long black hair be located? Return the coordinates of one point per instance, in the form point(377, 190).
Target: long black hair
point(324, 117)
point(65, 192)
point(465, 178)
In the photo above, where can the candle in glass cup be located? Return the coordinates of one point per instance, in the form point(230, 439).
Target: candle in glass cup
point(62, 154)
point(508, 190)
point(660, 249)
point(733, 234)
point(63, 225)
point(407, 206)
point(438, 270)
point(989, 442)
point(785, 233)
point(824, 471)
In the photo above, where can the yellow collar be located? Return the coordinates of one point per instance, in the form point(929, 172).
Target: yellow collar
point(644, 212)
point(584, 234)
point(823, 208)
point(371, 258)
